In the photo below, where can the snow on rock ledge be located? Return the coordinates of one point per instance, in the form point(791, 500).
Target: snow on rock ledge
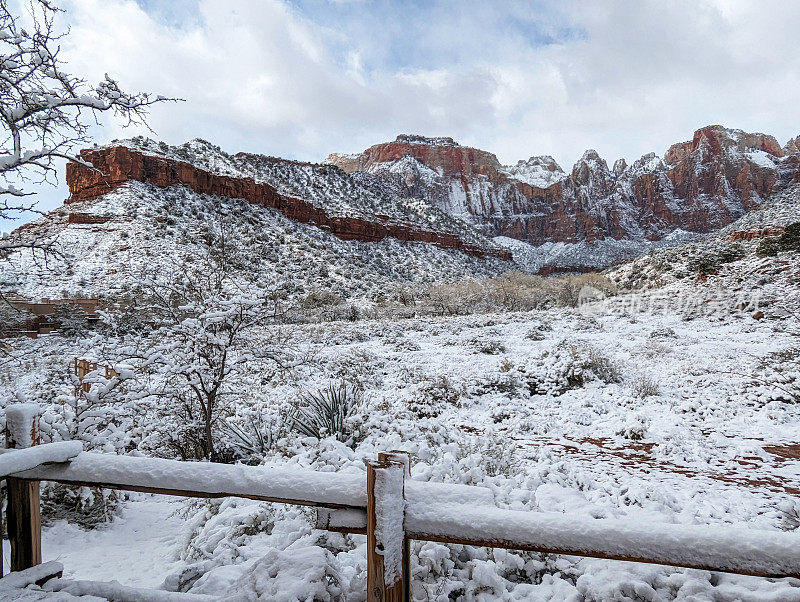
point(114, 166)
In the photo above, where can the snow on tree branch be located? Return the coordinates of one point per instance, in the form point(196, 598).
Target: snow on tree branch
point(46, 113)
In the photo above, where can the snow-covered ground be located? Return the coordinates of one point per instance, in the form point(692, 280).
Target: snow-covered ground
point(647, 417)
point(138, 548)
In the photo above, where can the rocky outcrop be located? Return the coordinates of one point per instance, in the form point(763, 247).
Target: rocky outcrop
point(112, 167)
point(756, 233)
point(87, 218)
point(698, 186)
point(792, 146)
point(552, 270)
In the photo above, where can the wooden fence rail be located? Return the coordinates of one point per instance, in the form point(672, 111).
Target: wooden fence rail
point(392, 510)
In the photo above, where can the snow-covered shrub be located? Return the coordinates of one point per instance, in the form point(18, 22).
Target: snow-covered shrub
point(643, 386)
point(534, 334)
point(602, 366)
point(360, 367)
point(11, 320)
point(655, 348)
point(663, 332)
point(69, 319)
point(515, 291)
point(489, 347)
point(325, 412)
point(83, 506)
point(776, 378)
point(567, 366)
point(307, 573)
point(461, 297)
point(569, 288)
point(507, 382)
point(407, 344)
point(769, 246)
point(434, 396)
point(790, 514)
point(789, 240)
point(635, 428)
point(321, 298)
point(251, 435)
point(711, 260)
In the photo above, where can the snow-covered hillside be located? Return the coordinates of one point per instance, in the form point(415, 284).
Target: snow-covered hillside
point(151, 231)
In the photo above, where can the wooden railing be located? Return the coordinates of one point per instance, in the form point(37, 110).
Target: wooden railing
point(83, 367)
point(391, 510)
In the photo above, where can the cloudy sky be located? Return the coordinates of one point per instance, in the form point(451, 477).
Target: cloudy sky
point(304, 78)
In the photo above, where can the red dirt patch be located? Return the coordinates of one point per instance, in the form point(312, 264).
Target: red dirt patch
point(785, 452)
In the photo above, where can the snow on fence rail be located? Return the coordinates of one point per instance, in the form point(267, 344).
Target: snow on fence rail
point(391, 510)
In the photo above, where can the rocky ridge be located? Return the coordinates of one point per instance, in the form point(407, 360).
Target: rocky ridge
point(697, 186)
point(253, 178)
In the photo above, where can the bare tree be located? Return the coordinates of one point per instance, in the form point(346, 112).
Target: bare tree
point(214, 331)
point(45, 112)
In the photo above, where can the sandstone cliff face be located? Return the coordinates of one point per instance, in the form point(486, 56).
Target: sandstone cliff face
point(114, 166)
point(699, 186)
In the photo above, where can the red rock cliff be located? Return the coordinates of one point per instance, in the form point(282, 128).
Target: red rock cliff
point(114, 166)
point(699, 186)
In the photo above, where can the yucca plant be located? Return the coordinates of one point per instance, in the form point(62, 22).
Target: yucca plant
point(325, 412)
point(253, 439)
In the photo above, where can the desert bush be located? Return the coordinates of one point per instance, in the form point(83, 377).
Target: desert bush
point(461, 297)
point(710, 262)
point(567, 367)
point(664, 332)
point(655, 348)
point(602, 366)
point(325, 412)
point(86, 507)
point(489, 347)
point(571, 287)
point(776, 378)
point(69, 319)
point(12, 319)
point(360, 367)
point(435, 395)
point(251, 437)
point(789, 240)
point(635, 428)
point(789, 512)
point(536, 332)
point(515, 291)
point(496, 455)
point(321, 298)
point(407, 344)
point(507, 383)
point(644, 386)
point(768, 247)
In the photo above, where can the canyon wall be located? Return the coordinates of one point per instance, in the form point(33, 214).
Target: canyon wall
point(114, 166)
point(698, 186)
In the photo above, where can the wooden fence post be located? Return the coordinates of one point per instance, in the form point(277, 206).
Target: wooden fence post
point(23, 513)
point(404, 458)
point(385, 531)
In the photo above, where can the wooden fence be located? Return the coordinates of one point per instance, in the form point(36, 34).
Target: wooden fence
point(391, 510)
point(83, 367)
